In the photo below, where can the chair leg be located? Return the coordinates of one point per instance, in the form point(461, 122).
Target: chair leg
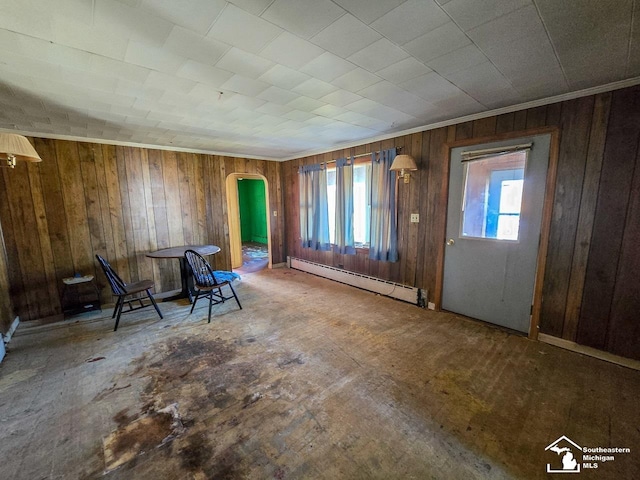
point(119, 313)
point(194, 301)
point(117, 306)
point(235, 296)
point(155, 305)
point(210, 305)
point(221, 295)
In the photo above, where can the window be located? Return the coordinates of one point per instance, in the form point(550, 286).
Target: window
point(493, 196)
point(361, 202)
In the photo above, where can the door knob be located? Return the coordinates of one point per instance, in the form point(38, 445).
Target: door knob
point(450, 242)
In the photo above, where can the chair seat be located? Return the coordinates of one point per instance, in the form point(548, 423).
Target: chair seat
point(140, 286)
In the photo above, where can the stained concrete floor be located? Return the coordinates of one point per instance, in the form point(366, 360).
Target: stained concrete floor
point(312, 379)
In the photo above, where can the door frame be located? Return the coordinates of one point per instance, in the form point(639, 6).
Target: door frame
point(545, 226)
point(233, 215)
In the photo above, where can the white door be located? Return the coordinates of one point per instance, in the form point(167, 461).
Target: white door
point(496, 196)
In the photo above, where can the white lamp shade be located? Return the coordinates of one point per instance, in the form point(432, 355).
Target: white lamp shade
point(403, 162)
point(18, 146)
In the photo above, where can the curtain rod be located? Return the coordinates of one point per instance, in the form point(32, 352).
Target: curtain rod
point(358, 156)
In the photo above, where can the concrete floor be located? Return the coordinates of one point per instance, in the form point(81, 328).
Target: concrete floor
point(313, 379)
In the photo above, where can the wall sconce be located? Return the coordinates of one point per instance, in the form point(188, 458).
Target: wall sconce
point(16, 147)
point(404, 164)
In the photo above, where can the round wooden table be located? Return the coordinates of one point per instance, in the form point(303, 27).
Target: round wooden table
point(186, 278)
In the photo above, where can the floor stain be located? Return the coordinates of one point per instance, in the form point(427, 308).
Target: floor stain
point(140, 436)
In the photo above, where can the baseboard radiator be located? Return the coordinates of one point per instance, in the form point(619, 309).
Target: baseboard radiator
point(413, 295)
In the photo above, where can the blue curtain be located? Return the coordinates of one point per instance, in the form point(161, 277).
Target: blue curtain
point(344, 242)
point(384, 221)
point(314, 210)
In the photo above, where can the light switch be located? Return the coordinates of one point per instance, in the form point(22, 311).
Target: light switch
point(415, 217)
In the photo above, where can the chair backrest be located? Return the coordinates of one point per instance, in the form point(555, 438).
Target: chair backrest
point(118, 287)
point(202, 271)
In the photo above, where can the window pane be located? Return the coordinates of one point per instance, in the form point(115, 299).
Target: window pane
point(493, 196)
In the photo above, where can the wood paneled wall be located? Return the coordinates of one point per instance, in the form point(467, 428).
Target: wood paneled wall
point(6, 306)
point(591, 290)
point(120, 202)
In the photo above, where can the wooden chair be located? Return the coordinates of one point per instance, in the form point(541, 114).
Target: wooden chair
point(123, 290)
point(206, 282)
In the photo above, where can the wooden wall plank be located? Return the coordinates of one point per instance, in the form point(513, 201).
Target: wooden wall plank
point(574, 141)
point(586, 215)
point(7, 312)
point(611, 214)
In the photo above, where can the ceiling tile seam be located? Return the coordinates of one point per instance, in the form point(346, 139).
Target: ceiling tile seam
point(630, 43)
point(555, 51)
point(213, 22)
point(352, 13)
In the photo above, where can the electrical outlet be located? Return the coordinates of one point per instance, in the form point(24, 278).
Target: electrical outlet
point(431, 306)
point(275, 213)
point(415, 217)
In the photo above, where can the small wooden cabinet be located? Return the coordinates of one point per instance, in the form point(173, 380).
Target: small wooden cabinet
point(80, 294)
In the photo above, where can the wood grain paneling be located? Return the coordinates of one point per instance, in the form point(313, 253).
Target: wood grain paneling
point(120, 202)
point(585, 242)
point(6, 305)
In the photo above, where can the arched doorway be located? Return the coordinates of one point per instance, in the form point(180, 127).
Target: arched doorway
point(252, 197)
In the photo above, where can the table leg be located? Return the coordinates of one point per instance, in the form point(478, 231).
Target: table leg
point(187, 289)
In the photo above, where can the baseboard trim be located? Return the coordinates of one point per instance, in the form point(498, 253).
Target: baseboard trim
point(7, 336)
point(592, 352)
point(279, 265)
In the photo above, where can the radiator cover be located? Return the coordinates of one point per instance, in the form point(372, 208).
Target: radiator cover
point(412, 295)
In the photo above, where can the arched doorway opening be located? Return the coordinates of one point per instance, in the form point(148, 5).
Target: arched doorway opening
point(249, 225)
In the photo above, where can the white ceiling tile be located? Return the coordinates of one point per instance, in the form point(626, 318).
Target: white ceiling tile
point(244, 63)
point(356, 79)
point(278, 95)
point(299, 115)
point(199, 72)
point(246, 31)
point(304, 18)
point(482, 82)
point(633, 67)
point(410, 20)
point(244, 85)
point(121, 70)
point(461, 59)
point(273, 109)
point(471, 13)
point(329, 111)
point(432, 87)
point(169, 82)
point(404, 70)
point(502, 29)
point(291, 51)
point(29, 18)
point(305, 104)
point(327, 67)
point(315, 88)
point(367, 10)
point(243, 101)
point(340, 98)
point(131, 23)
point(153, 58)
point(196, 15)
point(363, 121)
point(378, 55)
point(255, 7)
point(346, 36)
point(192, 45)
point(88, 38)
point(283, 77)
point(438, 42)
point(593, 46)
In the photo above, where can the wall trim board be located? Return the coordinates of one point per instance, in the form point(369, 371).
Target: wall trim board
point(545, 226)
point(14, 325)
point(589, 351)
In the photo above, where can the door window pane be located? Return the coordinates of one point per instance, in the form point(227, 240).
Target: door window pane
point(493, 196)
